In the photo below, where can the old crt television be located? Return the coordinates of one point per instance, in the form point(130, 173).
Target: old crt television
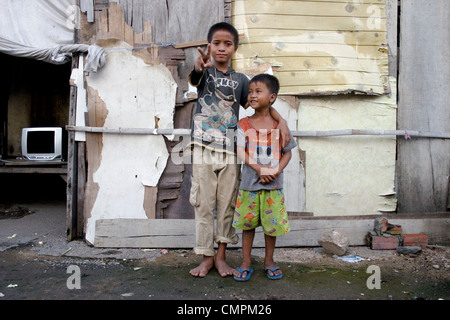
point(42, 144)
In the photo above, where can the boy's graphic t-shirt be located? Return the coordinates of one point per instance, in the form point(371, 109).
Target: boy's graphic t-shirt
point(217, 111)
point(264, 148)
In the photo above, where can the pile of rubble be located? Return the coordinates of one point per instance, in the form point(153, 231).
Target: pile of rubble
point(386, 236)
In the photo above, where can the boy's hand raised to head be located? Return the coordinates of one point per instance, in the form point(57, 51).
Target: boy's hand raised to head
point(204, 60)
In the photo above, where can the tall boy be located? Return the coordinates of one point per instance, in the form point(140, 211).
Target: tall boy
point(260, 199)
point(215, 171)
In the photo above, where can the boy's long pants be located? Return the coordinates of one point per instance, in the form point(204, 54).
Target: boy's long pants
point(215, 178)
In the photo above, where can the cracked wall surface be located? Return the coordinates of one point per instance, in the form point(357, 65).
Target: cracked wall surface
point(134, 94)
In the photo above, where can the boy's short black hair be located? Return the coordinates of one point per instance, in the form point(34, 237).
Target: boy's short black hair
point(224, 26)
point(270, 81)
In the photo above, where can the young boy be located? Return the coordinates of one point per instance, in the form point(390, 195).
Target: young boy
point(260, 198)
point(215, 171)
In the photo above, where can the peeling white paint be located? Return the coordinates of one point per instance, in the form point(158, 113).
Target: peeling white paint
point(134, 93)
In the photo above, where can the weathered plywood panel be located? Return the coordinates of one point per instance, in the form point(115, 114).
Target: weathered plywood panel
point(173, 20)
point(315, 47)
point(180, 233)
point(133, 97)
point(424, 164)
point(351, 175)
point(133, 90)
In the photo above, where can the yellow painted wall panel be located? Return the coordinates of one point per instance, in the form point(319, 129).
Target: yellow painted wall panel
point(306, 22)
point(348, 36)
point(311, 8)
point(349, 175)
point(312, 64)
point(339, 37)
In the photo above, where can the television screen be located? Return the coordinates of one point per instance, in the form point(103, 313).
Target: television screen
point(41, 142)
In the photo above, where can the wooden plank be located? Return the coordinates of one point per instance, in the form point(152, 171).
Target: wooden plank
point(290, 35)
point(150, 198)
point(100, 4)
point(178, 175)
point(169, 184)
point(311, 8)
point(298, 36)
point(164, 233)
point(448, 195)
point(88, 7)
point(304, 133)
point(101, 18)
point(190, 44)
point(308, 2)
point(281, 49)
point(423, 166)
point(31, 163)
point(72, 196)
point(172, 20)
point(78, 80)
point(353, 79)
point(33, 170)
point(81, 186)
point(392, 31)
point(144, 131)
point(116, 28)
point(310, 23)
point(305, 231)
point(309, 64)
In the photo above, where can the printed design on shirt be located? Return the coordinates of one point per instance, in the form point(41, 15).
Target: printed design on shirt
point(263, 145)
point(217, 114)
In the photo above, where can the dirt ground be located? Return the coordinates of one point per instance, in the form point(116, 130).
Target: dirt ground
point(37, 263)
point(309, 274)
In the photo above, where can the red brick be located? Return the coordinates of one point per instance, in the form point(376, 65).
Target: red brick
point(415, 239)
point(383, 243)
point(394, 230)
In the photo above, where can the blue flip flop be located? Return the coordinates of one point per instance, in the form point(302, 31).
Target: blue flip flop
point(274, 277)
point(241, 271)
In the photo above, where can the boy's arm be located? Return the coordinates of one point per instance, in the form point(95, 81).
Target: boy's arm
point(202, 63)
point(282, 125)
point(245, 89)
point(285, 158)
point(195, 77)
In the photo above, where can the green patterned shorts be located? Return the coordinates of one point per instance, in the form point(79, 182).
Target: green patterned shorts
point(261, 208)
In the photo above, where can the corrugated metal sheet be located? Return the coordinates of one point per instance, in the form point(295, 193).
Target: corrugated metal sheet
point(315, 46)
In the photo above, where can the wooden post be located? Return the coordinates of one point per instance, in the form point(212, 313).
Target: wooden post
point(72, 162)
point(423, 104)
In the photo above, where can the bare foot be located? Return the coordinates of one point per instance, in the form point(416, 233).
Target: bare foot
point(202, 270)
point(224, 269)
